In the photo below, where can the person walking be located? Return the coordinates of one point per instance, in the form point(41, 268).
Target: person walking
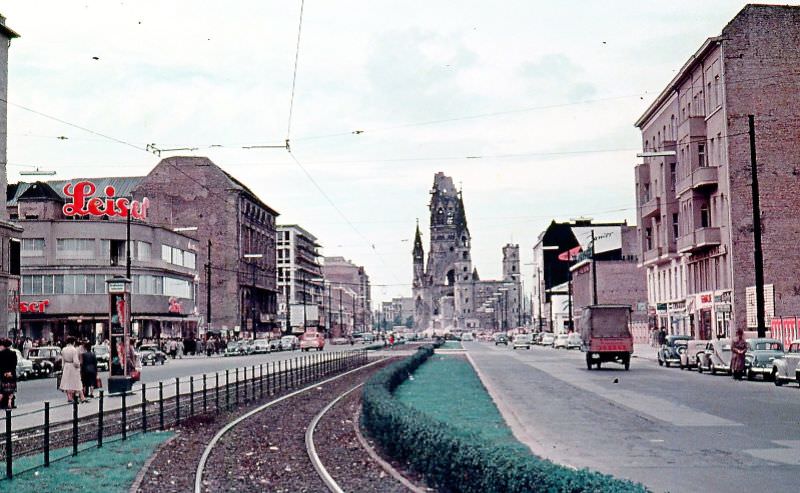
point(71, 372)
point(88, 370)
point(8, 375)
point(738, 350)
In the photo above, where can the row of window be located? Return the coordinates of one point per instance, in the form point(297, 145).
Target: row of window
point(43, 284)
point(176, 256)
point(84, 248)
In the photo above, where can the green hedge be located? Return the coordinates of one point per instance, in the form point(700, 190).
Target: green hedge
point(453, 460)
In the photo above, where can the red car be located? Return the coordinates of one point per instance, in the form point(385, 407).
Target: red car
point(312, 340)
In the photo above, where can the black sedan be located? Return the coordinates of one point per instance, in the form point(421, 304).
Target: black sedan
point(151, 355)
point(670, 351)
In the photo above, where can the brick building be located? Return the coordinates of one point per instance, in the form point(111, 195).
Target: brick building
point(694, 200)
point(348, 280)
point(187, 191)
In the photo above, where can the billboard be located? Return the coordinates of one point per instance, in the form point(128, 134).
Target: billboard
point(297, 315)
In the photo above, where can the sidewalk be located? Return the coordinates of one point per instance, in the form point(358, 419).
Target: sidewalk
point(645, 351)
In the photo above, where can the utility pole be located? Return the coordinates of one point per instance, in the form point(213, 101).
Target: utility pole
point(208, 290)
point(341, 329)
point(758, 253)
point(594, 271)
point(569, 297)
point(539, 295)
point(305, 316)
point(354, 314)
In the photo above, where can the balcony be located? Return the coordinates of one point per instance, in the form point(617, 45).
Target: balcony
point(705, 176)
point(651, 208)
point(651, 256)
point(694, 126)
point(699, 239)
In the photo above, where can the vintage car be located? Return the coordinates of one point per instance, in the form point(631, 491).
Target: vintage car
point(522, 341)
point(670, 352)
point(102, 354)
point(716, 358)
point(24, 366)
point(312, 340)
point(786, 369)
point(760, 355)
point(689, 357)
point(150, 354)
point(500, 339)
point(46, 360)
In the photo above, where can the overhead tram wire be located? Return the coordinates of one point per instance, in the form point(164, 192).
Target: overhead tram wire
point(294, 74)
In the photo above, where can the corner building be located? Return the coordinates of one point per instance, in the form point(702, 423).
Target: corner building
point(695, 205)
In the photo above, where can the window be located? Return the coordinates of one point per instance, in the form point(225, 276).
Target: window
point(701, 154)
point(189, 260)
point(672, 176)
point(675, 225)
point(143, 250)
point(75, 248)
point(178, 288)
point(648, 238)
point(705, 216)
point(32, 247)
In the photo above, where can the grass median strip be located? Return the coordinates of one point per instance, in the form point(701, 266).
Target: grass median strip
point(109, 469)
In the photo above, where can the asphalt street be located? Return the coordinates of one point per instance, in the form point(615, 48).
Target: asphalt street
point(35, 391)
point(672, 430)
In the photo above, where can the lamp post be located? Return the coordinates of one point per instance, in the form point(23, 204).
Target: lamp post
point(253, 256)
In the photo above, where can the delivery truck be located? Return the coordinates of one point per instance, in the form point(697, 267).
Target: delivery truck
point(606, 335)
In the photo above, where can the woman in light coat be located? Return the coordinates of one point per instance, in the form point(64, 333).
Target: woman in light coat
point(71, 372)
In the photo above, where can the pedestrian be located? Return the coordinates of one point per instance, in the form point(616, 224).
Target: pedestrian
point(180, 349)
point(173, 348)
point(738, 350)
point(71, 372)
point(88, 370)
point(8, 375)
point(26, 347)
point(662, 337)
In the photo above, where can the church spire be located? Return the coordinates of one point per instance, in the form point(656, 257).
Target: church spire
point(418, 250)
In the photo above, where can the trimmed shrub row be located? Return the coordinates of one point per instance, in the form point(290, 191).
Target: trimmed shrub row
point(453, 460)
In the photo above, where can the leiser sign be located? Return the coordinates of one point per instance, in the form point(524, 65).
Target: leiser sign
point(82, 202)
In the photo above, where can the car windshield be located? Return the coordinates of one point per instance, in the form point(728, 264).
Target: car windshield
point(769, 346)
point(233, 345)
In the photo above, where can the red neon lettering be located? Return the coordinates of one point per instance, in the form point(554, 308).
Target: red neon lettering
point(33, 306)
point(83, 203)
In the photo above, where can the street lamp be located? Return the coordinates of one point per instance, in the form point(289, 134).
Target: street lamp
point(253, 256)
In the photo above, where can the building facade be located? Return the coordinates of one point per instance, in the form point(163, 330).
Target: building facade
point(693, 191)
point(300, 281)
point(9, 233)
point(348, 280)
point(447, 290)
point(67, 259)
point(236, 227)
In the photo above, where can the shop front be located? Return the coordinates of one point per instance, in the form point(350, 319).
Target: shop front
point(711, 313)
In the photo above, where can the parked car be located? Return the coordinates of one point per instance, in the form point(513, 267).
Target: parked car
point(290, 343)
point(24, 366)
point(547, 339)
point(261, 346)
point(102, 355)
point(46, 360)
point(522, 341)
point(500, 339)
point(150, 354)
point(716, 358)
point(247, 346)
point(761, 353)
point(573, 340)
point(786, 369)
point(689, 357)
point(312, 340)
point(274, 345)
point(367, 338)
point(670, 352)
point(537, 338)
point(560, 341)
point(467, 337)
point(234, 348)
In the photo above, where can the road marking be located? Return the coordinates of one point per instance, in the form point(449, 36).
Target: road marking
point(655, 407)
point(788, 453)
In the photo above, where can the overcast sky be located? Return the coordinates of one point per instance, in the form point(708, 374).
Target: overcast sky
point(529, 105)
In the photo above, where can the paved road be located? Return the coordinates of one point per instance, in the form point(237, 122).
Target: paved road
point(34, 392)
point(670, 429)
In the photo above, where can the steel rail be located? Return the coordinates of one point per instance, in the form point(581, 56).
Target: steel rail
point(198, 478)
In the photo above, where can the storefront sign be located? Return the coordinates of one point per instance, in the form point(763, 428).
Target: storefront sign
point(725, 308)
point(705, 298)
point(174, 305)
point(661, 307)
point(33, 306)
point(80, 202)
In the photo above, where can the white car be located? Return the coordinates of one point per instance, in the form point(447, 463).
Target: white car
point(467, 337)
point(522, 341)
point(24, 366)
point(560, 341)
point(547, 339)
point(289, 343)
point(573, 340)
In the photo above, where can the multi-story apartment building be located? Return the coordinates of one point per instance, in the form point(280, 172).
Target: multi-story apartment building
point(300, 277)
point(235, 225)
point(348, 279)
point(693, 190)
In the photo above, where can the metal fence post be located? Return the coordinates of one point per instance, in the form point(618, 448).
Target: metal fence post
point(236, 387)
point(244, 383)
point(191, 396)
point(216, 392)
point(144, 408)
point(261, 380)
point(46, 434)
point(9, 450)
point(204, 394)
point(271, 378)
point(227, 391)
point(253, 382)
point(177, 401)
point(161, 406)
point(100, 420)
point(74, 425)
point(124, 416)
